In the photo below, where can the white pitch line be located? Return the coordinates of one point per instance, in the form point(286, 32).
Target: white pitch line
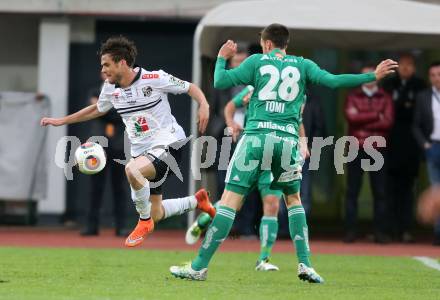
point(429, 262)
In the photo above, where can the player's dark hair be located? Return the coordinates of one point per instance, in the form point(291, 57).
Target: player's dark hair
point(276, 33)
point(119, 48)
point(434, 64)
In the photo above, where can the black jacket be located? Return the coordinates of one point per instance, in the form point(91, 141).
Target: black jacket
point(423, 118)
point(313, 119)
point(404, 96)
point(403, 153)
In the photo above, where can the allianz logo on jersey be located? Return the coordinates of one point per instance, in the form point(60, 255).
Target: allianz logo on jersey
point(270, 125)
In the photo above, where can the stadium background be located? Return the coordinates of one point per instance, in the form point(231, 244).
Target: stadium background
point(164, 34)
point(51, 46)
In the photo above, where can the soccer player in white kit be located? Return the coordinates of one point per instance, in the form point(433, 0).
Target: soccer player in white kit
point(141, 99)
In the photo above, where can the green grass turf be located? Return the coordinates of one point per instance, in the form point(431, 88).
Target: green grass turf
point(35, 273)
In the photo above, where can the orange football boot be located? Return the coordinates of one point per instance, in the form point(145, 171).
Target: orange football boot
point(203, 202)
point(137, 236)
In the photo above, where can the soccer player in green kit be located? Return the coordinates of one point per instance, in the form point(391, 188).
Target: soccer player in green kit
point(270, 139)
point(271, 198)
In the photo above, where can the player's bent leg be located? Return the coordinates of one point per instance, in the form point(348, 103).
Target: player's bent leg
point(157, 209)
point(238, 182)
point(203, 202)
point(216, 234)
point(300, 237)
point(137, 171)
point(178, 206)
point(194, 232)
point(268, 232)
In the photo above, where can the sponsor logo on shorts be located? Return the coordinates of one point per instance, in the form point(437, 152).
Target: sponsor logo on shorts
point(289, 176)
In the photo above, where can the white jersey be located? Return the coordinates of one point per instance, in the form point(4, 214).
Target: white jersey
point(145, 109)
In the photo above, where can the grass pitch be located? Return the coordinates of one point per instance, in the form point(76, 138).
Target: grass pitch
point(35, 273)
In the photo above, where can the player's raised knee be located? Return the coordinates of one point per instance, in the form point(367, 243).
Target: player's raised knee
point(131, 170)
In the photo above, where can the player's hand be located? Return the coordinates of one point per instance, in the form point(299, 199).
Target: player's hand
point(203, 117)
point(385, 68)
point(247, 98)
point(304, 148)
point(236, 129)
point(51, 121)
point(228, 50)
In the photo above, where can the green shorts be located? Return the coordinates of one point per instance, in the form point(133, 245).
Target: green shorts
point(256, 153)
point(264, 183)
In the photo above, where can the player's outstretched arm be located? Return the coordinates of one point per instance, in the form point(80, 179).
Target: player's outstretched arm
point(88, 113)
point(203, 115)
point(385, 68)
point(322, 77)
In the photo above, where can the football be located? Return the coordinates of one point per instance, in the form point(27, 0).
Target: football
point(90, 158)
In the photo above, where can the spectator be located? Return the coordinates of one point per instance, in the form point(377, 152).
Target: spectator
point(427, 130)
point(110, 126)
point(369, 112)
point(403, 154)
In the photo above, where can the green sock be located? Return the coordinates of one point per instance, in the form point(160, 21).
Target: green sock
point(299, 233)
point(268, 235)
point(204, 219)
point(216, 234)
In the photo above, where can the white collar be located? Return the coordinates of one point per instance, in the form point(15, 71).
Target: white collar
point(370, 92)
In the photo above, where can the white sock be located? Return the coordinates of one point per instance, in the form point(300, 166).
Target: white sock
point(141, 199)
point(178, 206)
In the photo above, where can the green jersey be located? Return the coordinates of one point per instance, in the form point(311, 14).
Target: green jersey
point(239, 102)
point(279, 83)
point(239, 98)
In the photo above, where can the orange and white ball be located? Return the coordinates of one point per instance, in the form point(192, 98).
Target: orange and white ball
point(90, 158)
